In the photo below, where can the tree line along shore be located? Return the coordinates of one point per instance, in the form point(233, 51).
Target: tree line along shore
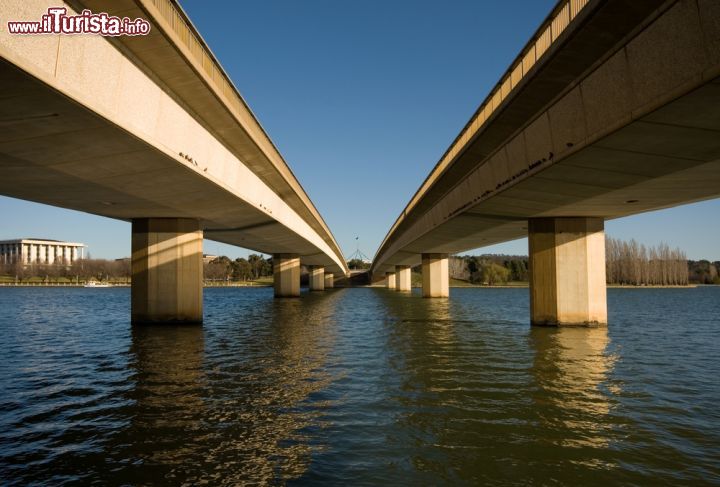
point(628, 263)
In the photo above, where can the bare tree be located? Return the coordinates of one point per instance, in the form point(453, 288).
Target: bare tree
point(635, 264)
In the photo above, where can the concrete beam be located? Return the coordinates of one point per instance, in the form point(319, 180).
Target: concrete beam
point(166, 270)
point(317, 278)
point(402, 278)
point(435, 276)
point(142, 160)
point(567, 271)
point(329, 281)
point(286, 275)
point(614, 118)
point(390, 280)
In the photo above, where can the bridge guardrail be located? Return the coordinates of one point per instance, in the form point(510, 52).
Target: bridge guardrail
point(546, 35)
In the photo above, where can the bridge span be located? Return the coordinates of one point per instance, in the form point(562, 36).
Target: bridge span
point(150, 129)
point(611, 109)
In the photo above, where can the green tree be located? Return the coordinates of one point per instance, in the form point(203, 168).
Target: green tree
point(493, 273)
point(259, 266)
point(241, 269)
point(358, 264)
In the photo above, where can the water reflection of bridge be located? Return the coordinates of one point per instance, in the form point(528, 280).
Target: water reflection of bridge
point(229, 405)
point(472, 392)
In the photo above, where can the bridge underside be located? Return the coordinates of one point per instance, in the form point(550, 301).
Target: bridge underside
point(57, 152)
point(668, 158)
point(617, 116)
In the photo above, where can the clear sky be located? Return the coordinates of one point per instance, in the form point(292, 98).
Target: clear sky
point(362, 99)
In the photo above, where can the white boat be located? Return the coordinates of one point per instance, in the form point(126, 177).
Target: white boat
point(97, 284)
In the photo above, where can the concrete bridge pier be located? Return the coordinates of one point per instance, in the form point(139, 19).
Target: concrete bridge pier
point(166, 270)
point(329, 281)
point(317, 278)
point(402, 278)
point(286, 275)
point(435, 276)
point(567, 271)
point(390, 280)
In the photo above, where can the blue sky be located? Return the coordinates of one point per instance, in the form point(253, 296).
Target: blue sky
point(362, 99)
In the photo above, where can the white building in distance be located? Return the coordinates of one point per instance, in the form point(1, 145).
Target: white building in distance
point(31, 251)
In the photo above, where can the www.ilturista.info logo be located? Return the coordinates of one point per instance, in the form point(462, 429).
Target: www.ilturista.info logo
point(57, 21)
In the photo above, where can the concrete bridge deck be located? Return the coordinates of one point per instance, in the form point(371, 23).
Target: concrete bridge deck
point(609, 110)
point(150, 129)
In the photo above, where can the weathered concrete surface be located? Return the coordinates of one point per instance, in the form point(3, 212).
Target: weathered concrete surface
point(317, 278)
point(403, 278)
point(126, 128)
point(567, 271)
point(619, 116)
point(435, 276)
point(329, 281)
point(390, 280)
point(286, 275)
point(166, 271)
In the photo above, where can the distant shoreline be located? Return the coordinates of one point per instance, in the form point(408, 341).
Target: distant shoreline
point(609, 286)
point(527, 285)
point(74, 284)
point(454, 286)
point(53, 284)
point(625, 286)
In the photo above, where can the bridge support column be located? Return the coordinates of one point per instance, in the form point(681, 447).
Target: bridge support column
point(567, 271)
point(390, 280)
point(402, 278)
point(317, 278)
point(286, 275)
point(435, 276)
point(166, 270)
point(329, 281)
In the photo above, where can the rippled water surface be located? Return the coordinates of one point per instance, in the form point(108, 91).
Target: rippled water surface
point(360, 386)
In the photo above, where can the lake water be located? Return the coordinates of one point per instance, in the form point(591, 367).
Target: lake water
point(360, 386)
